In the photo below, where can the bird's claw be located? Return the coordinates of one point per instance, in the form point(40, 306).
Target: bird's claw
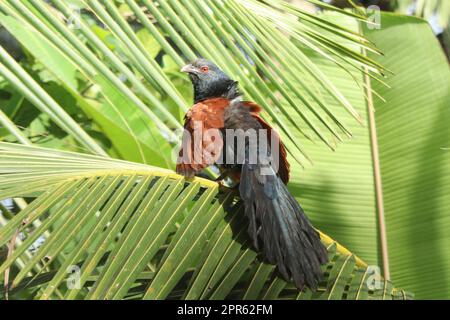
point(223, 187)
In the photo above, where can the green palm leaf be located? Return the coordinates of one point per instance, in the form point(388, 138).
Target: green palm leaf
point(144, 232)
point(236, 34)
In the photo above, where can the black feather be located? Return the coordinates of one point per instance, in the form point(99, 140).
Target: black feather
point(277, 224)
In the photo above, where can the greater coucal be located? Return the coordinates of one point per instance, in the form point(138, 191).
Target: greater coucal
point(277, 224)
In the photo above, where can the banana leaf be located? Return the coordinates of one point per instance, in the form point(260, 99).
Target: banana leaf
point(412, 136)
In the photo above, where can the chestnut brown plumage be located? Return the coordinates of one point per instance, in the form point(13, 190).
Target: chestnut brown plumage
point(278, 226)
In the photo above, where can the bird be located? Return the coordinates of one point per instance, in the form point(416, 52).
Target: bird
point(277, 225)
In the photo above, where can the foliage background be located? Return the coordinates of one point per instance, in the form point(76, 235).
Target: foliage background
point(113, 87)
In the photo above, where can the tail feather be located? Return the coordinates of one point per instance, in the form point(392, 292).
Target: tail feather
point(277, 224)
point(280, 229)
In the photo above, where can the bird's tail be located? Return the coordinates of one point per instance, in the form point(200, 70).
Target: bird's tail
point(280, 229)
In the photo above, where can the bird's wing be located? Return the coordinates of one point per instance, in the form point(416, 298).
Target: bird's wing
point(202, 141)
point(283, 169)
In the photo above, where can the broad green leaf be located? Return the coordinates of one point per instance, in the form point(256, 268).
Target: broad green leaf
point(416, 170)
point(338, 191)
point(150, 43)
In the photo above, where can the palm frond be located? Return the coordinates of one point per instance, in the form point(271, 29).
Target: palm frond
point(133, 229)
point(134, 89)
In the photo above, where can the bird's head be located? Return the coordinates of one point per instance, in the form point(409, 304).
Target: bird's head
point(209, 81)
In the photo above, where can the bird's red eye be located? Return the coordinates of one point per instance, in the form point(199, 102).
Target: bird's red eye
point(204, 69)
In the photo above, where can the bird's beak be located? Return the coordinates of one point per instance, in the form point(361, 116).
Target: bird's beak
point(189, 68)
